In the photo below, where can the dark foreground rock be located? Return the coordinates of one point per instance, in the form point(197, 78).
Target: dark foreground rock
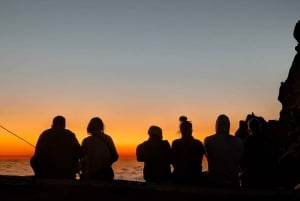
point(18, 188)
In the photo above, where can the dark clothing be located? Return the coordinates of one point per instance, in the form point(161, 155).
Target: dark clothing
point(242, 131)
point(260, 162)
point(156, 155)
point(223, 152)
point(187, 155)
point(56, 155)
point(98, 155)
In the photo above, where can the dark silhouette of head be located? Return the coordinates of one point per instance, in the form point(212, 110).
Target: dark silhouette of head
point(297, 31)
point(155, 132)
point(222, 124)
point(254, 125)
point(242, 124)
point(59, 122)
point(186, 127)
point(95, 126)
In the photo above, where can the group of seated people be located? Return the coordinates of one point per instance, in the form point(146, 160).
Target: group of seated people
point(249, 159)
point(222, 150)
point(58, 153)
point(232, 161)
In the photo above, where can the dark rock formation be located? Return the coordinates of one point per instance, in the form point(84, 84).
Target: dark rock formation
point(289, 92)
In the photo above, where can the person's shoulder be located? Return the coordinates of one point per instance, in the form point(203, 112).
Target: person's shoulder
point(238, 139)
point(88, 138)
point(209, 138)
point(46, 133)
point(107, 136)
point(69, 132)
point(166, 143)
point(197, 141)
point(143, 143)
point(176, 141)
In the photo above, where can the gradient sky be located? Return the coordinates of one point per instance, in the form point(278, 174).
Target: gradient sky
point(137, 63)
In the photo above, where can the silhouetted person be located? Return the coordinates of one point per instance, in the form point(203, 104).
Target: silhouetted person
point(98, 152)
point(260, 160)
point(223, 153)
point(187, 154)
point(242, 131)
point(156, 155)
point(57, 152)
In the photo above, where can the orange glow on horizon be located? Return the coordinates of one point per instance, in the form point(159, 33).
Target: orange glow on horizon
point(126, 151)
point(12, 147)
point(125, 134)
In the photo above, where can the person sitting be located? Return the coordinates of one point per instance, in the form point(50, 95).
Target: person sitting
point(260, 161)
point(242, 131)
point(223, 152)
point(156, 155)
point(57, 152)
point(187, 155)
point(98, 153)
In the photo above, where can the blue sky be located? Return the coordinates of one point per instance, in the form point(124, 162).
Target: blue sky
point(143, 62)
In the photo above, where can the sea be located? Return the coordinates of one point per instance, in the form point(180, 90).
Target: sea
point(124, 169)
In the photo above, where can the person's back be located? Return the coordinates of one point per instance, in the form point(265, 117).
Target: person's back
point(187, 155)
point(97, 158)
point(260, 161)
point(242, 131)
point(57, 152)
point(156, 155)
point(98, 153)
point(223, 152)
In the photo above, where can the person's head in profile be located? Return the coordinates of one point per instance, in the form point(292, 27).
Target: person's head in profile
point(59, 122)
point(254, 126)
point(222, 124)
point(155, 132)
point(95, 126)
point(186, 127)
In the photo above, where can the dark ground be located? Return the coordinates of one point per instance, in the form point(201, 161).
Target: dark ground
point(18, 188)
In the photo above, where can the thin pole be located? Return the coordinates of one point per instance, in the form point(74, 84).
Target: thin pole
point(17, 136)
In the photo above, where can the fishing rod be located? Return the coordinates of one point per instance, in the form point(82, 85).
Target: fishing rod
point(16, 135)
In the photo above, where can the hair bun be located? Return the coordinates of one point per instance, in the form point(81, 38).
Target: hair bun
point(182, 118)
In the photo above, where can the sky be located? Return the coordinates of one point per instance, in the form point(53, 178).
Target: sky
point(137, 63)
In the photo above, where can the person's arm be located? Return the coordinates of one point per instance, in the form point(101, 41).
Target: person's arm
point(38, 152)
point(114, 152)
point(169, 151)
point(140, 153)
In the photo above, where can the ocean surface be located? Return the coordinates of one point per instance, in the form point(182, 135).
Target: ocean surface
point(124, 168)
